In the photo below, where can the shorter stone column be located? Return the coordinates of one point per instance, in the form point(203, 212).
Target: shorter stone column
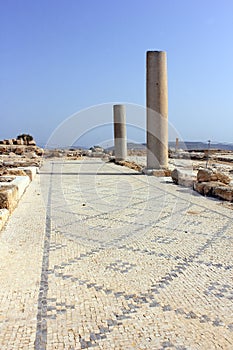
point(177, 144)
point(120, 139)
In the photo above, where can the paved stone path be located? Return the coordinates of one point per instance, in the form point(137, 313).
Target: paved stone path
point(98, 256)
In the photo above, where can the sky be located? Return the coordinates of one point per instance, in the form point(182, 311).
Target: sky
point(59, 58)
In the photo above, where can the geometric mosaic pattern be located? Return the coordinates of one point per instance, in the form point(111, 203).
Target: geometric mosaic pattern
point(129, 262)
point(141, 200)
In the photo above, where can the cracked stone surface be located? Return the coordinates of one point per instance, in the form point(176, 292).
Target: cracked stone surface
point(99, 256)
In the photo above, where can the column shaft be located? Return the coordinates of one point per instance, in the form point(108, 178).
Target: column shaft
point(120, 132)
point(157, 110)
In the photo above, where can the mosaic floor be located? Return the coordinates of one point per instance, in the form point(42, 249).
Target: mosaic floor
point(98, 256)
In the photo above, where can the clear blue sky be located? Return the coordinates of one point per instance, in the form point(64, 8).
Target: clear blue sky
point(58, 57)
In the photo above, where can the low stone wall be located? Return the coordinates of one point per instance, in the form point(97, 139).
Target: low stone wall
point(12, 187)
point(214, 184)
point(30, 151)
point(206, 182)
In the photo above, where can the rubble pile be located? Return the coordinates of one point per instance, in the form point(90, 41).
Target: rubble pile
point(24, 146)
point(215, 184)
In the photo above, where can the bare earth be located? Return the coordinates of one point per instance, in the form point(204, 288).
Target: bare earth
point(98, 255)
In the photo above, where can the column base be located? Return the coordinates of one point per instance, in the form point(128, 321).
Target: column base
point(163, 172)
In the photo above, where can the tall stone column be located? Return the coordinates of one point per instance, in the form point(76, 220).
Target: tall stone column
point(157, 110)
point(120, 132)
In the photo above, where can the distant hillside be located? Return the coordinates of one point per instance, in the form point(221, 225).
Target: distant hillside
point(192, 145)
point(189, 145)
point(131, 145)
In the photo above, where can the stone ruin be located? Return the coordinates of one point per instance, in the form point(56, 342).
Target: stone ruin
point(23, 145)
point(23, 139)
point(19, 160)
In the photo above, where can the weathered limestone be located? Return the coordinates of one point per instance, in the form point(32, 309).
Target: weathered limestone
point(131, 165)
point(213, 184)
point(157, 110)
point(205, 175)
point(24, 145)
point(4, 215)
point(224, 192)
point(21, 182)
point(31, 171)
point(8, 197)
point(12, 187)
point(16, 172)
point(32, 143)
point(19, 142)
point(120, 132)
point(183, 177)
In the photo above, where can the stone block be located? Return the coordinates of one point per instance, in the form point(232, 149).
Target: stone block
point(39, 151)
point(6, 179)
point(224, 192)
point(206, 175)
point(184, 177)
point(20, 142)
point(32, 143)
point(161, 173)
point(223, 178)
point(214, 189)
point(4, 215)
point(205, 188)
point(31, 155)
point(19, 150)
point(3, 149)
point(8, 197)
point(29, 171)
point(128, 164)
point(21, 182)
point(16, 172)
